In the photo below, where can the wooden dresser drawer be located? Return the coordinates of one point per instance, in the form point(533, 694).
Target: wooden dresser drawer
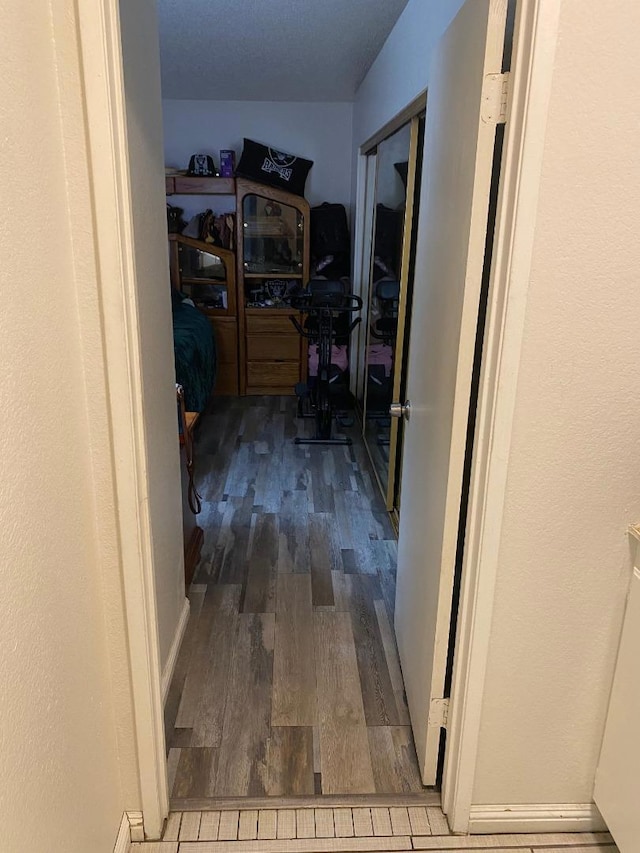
point(273, 348)
point(272, 373)
point(270, 324)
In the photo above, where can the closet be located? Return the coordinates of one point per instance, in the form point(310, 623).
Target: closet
point(392, 179)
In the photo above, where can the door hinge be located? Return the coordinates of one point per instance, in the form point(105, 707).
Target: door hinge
point(495, 93)
point(439, 713)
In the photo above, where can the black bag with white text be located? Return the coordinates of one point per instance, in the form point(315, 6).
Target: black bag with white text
point(272, 167)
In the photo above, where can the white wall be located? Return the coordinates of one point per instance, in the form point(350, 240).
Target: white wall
point(321, 132)
point(401, 69)
point(574, 465)
point(399, 74)
point(144, 131)
point(68, 759)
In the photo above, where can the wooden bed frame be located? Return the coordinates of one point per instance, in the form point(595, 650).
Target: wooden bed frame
point(193, 535)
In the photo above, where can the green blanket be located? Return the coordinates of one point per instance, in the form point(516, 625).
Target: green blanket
point(195, 354)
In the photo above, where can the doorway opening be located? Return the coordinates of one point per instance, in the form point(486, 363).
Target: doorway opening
point(288, 681)
point(256, 530)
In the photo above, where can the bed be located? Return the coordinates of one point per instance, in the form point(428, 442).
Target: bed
point(195, 352)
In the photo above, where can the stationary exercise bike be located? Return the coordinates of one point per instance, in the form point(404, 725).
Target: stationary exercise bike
point(328, 311)
point(380, 377)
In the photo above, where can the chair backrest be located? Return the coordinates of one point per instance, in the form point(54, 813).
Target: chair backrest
point(326, 293)
point(322, 286)
point(328, 300)
point(388, 289)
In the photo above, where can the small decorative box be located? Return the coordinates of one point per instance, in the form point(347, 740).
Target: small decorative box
point(227, 163)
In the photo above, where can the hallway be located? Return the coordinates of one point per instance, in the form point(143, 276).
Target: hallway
point(288, 680)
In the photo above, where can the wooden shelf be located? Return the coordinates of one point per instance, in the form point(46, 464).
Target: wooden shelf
point(187, 185)
point(270, 312)
point(218, 282)
point(272, 275)
point(270, 235)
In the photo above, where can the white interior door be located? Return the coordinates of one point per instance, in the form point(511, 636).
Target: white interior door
point(617, 789)
point(456, 180)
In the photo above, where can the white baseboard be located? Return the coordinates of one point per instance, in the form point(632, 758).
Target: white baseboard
point(123, 841)
point(167, 672)
point(136, 826)
point(547, 817)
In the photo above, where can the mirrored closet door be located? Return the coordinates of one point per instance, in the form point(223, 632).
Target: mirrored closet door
point(392, 213)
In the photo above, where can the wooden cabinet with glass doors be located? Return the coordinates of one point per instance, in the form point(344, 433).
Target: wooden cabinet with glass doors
point(273, 261)
point(207, 275)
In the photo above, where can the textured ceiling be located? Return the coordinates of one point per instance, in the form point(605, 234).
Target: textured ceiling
point(272, 50)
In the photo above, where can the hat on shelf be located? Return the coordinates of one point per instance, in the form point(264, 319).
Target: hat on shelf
point(201, 166)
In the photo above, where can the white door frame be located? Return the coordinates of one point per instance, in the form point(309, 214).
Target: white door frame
point(532, 67)
point(363, 247)
point(103, 85)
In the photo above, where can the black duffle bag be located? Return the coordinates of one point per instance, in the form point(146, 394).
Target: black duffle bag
point(330, 241)
point(272, 167)
point(329, 230)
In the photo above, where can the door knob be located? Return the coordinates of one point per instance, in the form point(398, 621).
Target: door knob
point(398, 410)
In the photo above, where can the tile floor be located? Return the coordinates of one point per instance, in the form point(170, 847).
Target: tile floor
point(348, 830)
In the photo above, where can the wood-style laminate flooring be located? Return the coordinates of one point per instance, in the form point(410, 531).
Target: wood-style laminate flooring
point(288, 681)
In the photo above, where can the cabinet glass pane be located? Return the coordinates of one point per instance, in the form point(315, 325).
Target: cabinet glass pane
point(207, 296)
point(195, 263)
point(203, 276)
point(273, 237)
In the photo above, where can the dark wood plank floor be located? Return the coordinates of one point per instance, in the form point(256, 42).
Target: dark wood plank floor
point(288, 680)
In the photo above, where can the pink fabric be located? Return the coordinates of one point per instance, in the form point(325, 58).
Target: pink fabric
point(339, 357)
point(381, 354)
